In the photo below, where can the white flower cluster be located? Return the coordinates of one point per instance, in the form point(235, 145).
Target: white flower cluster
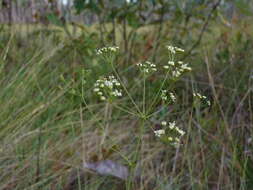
point(106, 50)
point(168, 96)
point(159, 132)
point(177, 69)
point(172, 126)
point(202, 98)
point(173, 49)
point(147, 67)
point(178, 133)
point(107, 87)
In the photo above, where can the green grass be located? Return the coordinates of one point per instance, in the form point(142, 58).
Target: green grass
point(46, 131)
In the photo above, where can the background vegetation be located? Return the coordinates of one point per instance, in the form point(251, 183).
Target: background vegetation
point(47, 130)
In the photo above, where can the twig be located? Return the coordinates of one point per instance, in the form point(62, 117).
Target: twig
point(124, 25)
point(161, 21)
point(204, 27)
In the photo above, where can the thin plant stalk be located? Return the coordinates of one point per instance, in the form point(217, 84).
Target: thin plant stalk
point(124, 87)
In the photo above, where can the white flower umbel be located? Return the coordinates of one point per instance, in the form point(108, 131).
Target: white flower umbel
point(172, 126)
point(173, 49)
point(168, 97)
point(147, 67)
point(108, 87)
point(106, 50)
point(177, 134)
point(170, 133)
point(177, 69)
point(108, 53)
point(203, 98)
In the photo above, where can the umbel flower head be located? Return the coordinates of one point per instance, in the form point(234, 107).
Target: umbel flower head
point(168, 97)
point(173, 49)
point(108, 53)
point(106, 50)
point(170, 133)
point(107, 87)
point(197, 96)
point(176, 69)
point(147, 67)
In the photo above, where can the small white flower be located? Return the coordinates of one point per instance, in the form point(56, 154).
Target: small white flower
point(179, 49)
point(96, 90)
point(146, 70)
point(201, 97)
point(171, 49)
point(172, 97)
point(197, 95)
point(181, 132)
point(166, 67)
point(176, 73)
point(164, 95)
point(172, 125)
point(185, 67)
point(172, 63)
point(168, 97)
point(159, 132)
point(164, 123)
point(117, 84)
point(108, 84)
point(116, 93)
point(102, 98)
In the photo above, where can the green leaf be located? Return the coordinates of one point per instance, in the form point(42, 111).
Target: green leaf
point(52, 18)
point(79, 5)
point(133, 20)
point(244, 7)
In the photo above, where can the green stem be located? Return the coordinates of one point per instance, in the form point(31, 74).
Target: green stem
point(125, 110)
point(158, 93)
point(144, 94)
point(124, 87)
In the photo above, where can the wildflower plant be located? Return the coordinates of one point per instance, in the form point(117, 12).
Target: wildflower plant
point(110, 88)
